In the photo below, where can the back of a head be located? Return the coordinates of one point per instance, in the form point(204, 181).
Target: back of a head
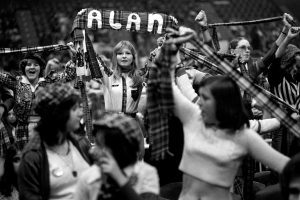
point(122, 134)
point(288, 57)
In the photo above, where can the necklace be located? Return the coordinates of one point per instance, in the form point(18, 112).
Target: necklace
point(67, 159)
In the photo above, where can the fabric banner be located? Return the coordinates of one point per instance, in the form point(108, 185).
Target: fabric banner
point(249, 87)
point(55, 47)
point(142, 22)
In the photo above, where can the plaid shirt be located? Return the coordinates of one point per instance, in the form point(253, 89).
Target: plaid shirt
point(160, 104)
point(6, 138)
point(24, 97)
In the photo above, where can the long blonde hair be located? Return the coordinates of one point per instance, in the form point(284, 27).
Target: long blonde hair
point(133, 73)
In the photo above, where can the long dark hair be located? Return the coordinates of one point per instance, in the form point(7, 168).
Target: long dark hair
point(230, 110)
point(54, 121)
point(9, 179)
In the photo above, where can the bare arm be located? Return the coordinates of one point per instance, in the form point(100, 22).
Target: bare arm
point(291, 34)
point(264, 125)
point(201, 19)
point(263, 152)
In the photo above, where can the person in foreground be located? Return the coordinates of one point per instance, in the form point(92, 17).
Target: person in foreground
point(216, 131)
point(117, 173)
point(216, 139)
point(52, 161)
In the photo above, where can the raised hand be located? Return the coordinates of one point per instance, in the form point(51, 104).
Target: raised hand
point(180, 36)
point(288, 20)
point(110, 167)
point(201, 19)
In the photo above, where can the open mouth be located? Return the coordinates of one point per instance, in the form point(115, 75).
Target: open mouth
point(32, 72)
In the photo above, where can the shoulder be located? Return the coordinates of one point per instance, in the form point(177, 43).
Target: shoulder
point(247, 136)
point(91, 175)
point(145, 169)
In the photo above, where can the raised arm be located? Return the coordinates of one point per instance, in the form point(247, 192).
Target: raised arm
point(201, 19)
point(291, 34)
point(8, 81)
point(185, 85)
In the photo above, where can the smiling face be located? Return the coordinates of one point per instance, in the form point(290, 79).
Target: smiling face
point(32, 70)
point(207, 105)
point(125, 58)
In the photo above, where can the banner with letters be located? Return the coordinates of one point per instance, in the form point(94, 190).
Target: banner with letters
point(142, 22)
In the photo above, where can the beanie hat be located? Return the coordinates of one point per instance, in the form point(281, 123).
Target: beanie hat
point(50, 97)
point(128, 126)
point(288, 55)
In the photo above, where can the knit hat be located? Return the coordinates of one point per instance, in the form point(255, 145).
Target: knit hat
point(51, 96)
point(128, 126)
point(288, 55)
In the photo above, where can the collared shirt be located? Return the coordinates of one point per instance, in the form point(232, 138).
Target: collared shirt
point(32, 87)
point(120, 96)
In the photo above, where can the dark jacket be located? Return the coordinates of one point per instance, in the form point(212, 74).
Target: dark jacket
point(33, 177)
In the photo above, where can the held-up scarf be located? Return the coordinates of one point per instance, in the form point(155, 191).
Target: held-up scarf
point(160, 105)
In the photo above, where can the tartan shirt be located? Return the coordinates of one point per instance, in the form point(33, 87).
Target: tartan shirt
point(160, 103)
point(24, 95)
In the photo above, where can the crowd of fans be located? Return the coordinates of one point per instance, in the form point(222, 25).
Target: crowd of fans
point(149, 117)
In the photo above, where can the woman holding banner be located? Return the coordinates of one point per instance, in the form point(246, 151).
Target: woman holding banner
point(122, 90)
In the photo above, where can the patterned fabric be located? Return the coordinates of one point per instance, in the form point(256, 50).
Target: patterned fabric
point(251, 89)
point(56, 47)
point(52, 95)
point(124, 96)
point(215, 39)
point(81, 21)
point(127, 125)
point(160, 104)
point(282, 84)
point(24, 97)
point(6, 139)
point(92, 60)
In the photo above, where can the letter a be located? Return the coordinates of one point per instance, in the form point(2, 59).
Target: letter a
point(94, 15)
point(137, 21)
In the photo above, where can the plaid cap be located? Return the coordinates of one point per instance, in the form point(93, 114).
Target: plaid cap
point(289, 54)
point(49, 97)
point(128, 126)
